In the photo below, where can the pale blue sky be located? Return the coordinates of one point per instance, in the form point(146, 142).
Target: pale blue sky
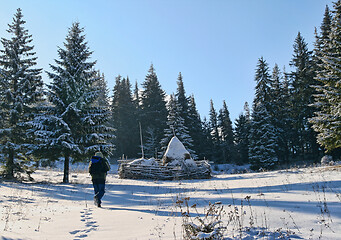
point(214, 43)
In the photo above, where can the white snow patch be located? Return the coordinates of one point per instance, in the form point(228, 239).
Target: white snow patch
point(145, 162)
point(299, 204)
point(190, 163)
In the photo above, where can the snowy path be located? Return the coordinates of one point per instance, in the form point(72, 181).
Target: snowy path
point(304, 203)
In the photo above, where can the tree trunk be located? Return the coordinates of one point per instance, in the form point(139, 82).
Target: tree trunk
point(66, 168)
point(10, 165)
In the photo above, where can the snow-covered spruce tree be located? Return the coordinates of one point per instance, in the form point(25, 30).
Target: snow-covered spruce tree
point(73, 126)
point(103, 93)
point(176, 127)
point(150, 144)
point(195, 129)
point(322, 40)
point(133, 130)
point(182, 100)
point(153, 112)
point(207, 141)
point(285, 120)
point(21, 91)
point(227, 137)
point(136, 101)
point(263, 82)
point(241, 137)
point(183, 103)
point(278, 110)
point(247, 111)
point(262, 139)
point(327, 119)
point(303, 137)
point(214, 131)
point(124, 120)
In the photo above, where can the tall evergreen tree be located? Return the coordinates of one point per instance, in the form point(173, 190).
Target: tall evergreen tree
point(153, 113)
point(151, 145)
point(73, 127)
point(263, 82)
point(241, 136)
point(124, 119)
point(208, 144)
point(263, 136)
point(182, 99)
point(303, 137)
point(247, 111)
point(183, 107)
point(136, 99)
point(327, 119)
point(21, 91)
point(321, 45)
point(227, 136)
point(214, 131)
point(176, 126)
point(196, 130)
point(278, 110)
point(284, 109)
point(103, 94)
point(262, 140)
point(322, 38)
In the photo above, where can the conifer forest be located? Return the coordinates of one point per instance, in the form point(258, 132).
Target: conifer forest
point(295, 116)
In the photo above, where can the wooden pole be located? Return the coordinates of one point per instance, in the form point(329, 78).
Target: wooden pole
point(141, 140)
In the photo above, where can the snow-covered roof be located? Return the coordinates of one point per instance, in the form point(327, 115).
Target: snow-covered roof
point(145, 162)
point(176, 150)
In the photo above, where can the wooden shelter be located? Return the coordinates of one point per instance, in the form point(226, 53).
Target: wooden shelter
point(175, 164)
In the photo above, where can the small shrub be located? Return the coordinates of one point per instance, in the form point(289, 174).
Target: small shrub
point(206, 226)
point(326, 160)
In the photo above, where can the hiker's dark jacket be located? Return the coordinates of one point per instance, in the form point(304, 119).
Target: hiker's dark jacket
point(98, 175)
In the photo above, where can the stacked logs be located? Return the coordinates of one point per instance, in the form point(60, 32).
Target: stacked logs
point(140, 171)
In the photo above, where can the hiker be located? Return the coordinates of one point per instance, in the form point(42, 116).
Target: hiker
point(98, 168)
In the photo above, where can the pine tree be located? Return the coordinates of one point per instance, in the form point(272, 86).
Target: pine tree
point(247, 111)
point(208, 144)
point(103, 94)
point(195, 130)
point(124, 119)
point(262, 140)
point(263, 137)
point(73, 127)
point(214, 131)
point(327, 119)
point(263, 82)
point(136, 99)
point(303, 137)
point(176, 127)
point(227, 136)
point(151, 144)
point(322, 39)
point(21, 92)
point(137, 104)
point(241, 136)
point(182, 99)
point(183, 107)
point(284, 116)
point(278, 110)
point(153, 112)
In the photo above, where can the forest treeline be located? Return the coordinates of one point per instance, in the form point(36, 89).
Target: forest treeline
point(295, 115)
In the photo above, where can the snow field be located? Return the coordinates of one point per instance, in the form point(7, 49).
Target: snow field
point(296, 203)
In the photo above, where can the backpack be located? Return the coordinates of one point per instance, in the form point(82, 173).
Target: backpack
point(98, 165)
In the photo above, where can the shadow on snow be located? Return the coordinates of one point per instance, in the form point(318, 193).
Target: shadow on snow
point(121, 196)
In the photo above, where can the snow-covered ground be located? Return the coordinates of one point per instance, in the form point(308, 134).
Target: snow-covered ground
point(296, 204)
